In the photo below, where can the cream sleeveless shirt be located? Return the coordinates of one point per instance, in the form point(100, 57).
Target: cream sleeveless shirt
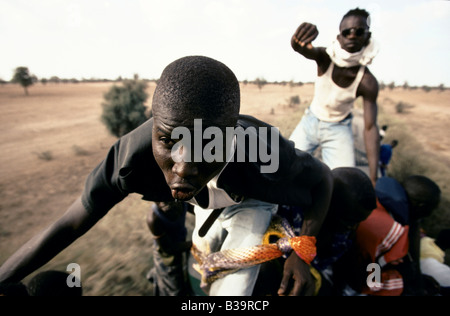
point(332, 103)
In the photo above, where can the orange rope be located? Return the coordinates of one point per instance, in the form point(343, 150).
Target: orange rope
point(304, 247)
point(218, 264)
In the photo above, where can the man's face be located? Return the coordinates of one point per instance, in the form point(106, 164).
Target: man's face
point(354, 34)
point(185, 176)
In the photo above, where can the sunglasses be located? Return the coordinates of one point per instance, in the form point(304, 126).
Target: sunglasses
point(357, 31)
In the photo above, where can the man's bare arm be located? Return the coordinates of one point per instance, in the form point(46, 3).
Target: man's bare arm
point(297, 279)
point(301, 42)
point(44, 246)
point(369, 91)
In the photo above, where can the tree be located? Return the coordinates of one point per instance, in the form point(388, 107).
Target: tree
point(260, 82)
point(124, 109)
point(54, 79)
point(23, 77)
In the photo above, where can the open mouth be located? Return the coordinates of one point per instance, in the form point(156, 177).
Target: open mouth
point(183, 192)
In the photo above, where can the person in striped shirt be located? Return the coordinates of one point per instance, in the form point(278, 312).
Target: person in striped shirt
point(386, 259)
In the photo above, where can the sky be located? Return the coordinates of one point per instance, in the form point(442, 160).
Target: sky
point(112, 38)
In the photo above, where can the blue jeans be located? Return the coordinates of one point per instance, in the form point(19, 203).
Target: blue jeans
point(334, 138)
point(238, 226)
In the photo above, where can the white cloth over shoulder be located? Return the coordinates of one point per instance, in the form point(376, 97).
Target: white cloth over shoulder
point(342, 58)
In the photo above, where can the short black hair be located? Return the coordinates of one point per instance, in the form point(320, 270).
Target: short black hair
point(422, 192)
point(353, 185)
point(358, 12)
point(202, 86)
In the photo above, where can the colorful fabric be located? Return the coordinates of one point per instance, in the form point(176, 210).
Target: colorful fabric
point(391, 284)
point(429, 249)
point(341, 241)
point(218, 264)
point(382, 240)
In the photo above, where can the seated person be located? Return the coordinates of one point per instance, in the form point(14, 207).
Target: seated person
point(387, 238)
point(424, 196)
point(353, 200)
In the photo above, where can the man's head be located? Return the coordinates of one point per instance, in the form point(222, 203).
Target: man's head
point(423, 195)
point(198, 87)
point(354, 32)
point(353, 198)
point(192, 88)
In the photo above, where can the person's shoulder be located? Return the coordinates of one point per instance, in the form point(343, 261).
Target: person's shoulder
point(142, 132)
point(246, 121)
point(139, 139)
point(368, 88)
point(369, 80)
point(134, 150)
point(322, 59)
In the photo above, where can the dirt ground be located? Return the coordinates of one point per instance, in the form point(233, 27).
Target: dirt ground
point(48, 142)
point(51, 139)
point(426, 114)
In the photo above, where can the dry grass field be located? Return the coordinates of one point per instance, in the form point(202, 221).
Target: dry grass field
point(52, 138)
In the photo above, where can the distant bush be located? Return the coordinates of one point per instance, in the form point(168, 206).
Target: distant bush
point(400, 107)
point(294, 100)
point(79, 151)
point(426, 88)
point(124, 109)
point(260, 82)
point(45, 155)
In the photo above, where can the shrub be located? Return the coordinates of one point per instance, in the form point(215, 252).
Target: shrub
point(294, 100)
point(400, 107)
point(45, 155)
point(79, 151)
point(124, 109)
point(260, 82)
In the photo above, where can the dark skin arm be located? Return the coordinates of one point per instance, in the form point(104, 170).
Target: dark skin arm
point(47, 244)
point(297, 278)
point(301, 43)
point(172, 210)
point(368, 89)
